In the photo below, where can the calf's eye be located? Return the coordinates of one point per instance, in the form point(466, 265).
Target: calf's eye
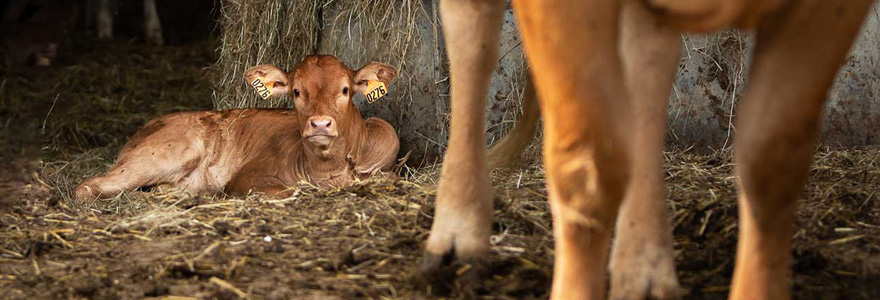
point(345, 91)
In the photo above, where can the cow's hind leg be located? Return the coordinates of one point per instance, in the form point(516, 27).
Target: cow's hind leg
point(572, 46)
point(642, 262)
point(152, 25)
point(105, 20)
point(797, 54)
point(140, 168)
point(463, 213)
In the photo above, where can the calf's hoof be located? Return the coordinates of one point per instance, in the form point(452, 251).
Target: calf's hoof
point(85, 192)
point(643, 272)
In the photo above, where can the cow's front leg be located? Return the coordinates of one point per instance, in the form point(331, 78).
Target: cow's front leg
point(463, 213)
point(572, 46)
point(642, 262)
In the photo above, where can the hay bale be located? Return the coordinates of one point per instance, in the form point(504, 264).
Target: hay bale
point(261, 32)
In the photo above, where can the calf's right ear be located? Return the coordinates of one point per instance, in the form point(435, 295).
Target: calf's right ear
point(268, 81)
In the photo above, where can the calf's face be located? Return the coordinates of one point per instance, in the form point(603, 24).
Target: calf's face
point(321, 88)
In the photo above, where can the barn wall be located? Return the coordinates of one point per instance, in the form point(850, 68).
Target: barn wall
point(852, 116)
point(713, 73)
point(407, 35)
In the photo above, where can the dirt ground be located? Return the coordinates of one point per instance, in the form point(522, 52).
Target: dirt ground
point(358, 242)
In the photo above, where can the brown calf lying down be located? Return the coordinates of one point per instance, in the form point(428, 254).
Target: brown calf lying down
point(324, 140)
point(603, 72)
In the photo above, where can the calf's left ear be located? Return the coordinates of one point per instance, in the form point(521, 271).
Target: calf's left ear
point(373, 71)
point(267, 80)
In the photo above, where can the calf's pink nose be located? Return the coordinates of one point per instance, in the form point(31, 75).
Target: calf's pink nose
point(320, 123)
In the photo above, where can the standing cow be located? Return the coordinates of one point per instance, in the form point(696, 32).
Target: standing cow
point(324, 141)
point(152, 24)
point(31, 30)
point(603, 71)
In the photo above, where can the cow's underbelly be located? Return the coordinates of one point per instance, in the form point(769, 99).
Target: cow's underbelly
point(704, 16)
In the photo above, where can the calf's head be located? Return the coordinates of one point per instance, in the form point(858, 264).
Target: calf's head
point(321, 87)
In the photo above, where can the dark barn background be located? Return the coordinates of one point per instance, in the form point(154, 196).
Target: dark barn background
point(66, 122)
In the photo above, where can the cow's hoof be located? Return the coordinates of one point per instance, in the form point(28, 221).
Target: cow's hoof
point(155, 38)
point(105, 35)
point(443, 275)
point(648, 273)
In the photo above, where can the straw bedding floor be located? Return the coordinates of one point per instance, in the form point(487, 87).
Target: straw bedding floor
point(362, 241)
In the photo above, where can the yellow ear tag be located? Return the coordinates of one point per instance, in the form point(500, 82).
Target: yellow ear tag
point(263, 89)
point(375, 90)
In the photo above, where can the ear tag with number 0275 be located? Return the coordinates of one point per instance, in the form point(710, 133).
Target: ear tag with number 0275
point(263, 89)
point(375, 90)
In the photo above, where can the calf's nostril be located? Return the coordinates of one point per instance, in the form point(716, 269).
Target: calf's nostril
point(320, 123)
